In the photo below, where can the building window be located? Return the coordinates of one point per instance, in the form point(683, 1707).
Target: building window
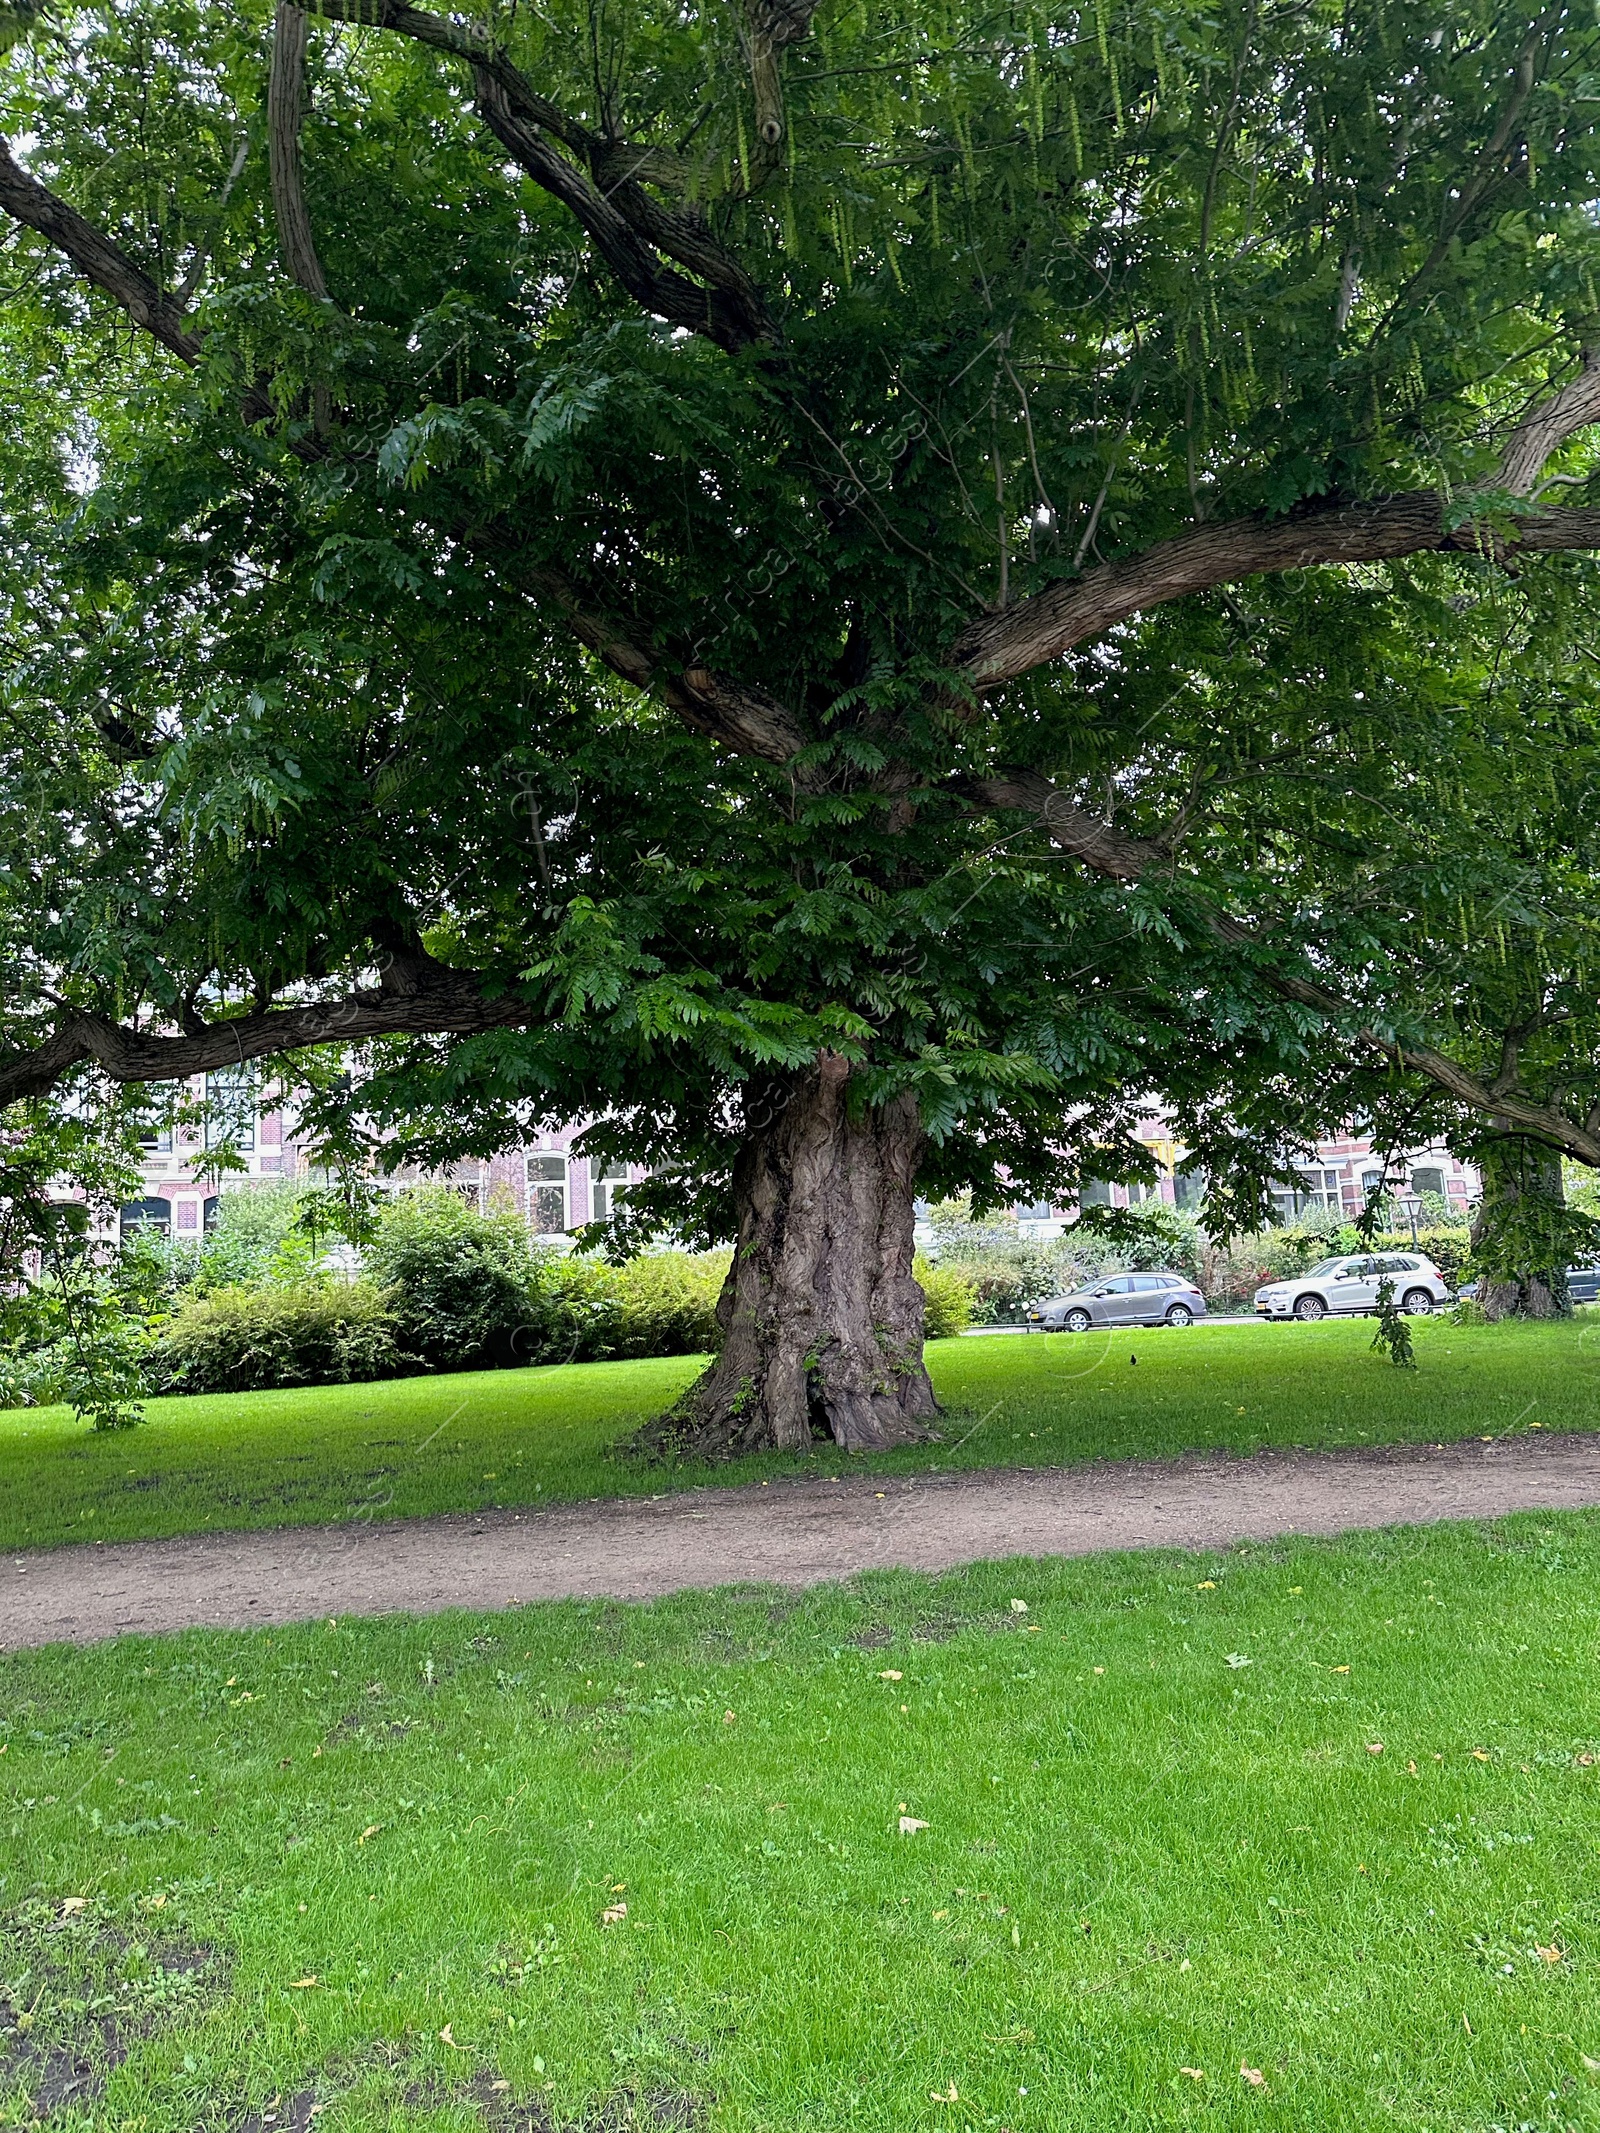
point(1035, 1211)
point(231, 1108)
point(1317, 1192)
point(156, 1138)
point(1428, 1181)
point(1188, 1187)
point(140, 1215)
point(547, 1194)
point(607, 1183)
point(1094, 1192)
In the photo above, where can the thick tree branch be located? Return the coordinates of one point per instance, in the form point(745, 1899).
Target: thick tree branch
point(769, 25)
point(96, 258)
point(285, 99)
point(1549, 426)
point(723, 314)
point(1105, 849)
point(606, 195)
point(1085, 836)
point(743, 718)
point(427, 999)
point(1002, 646)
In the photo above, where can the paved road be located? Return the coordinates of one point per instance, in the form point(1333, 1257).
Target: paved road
point(793, 1533)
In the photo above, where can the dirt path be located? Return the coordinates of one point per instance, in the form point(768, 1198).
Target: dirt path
point(793, 1533)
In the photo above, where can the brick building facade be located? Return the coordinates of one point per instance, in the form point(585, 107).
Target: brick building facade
point(557, 1191)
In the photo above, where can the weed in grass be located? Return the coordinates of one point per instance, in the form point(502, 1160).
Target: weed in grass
point(79, 1988)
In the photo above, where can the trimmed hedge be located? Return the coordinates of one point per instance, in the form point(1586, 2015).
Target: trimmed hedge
point(259, 1339)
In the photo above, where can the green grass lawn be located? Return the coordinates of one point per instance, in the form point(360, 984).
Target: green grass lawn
point(550, 1435)
point(1325, 1811)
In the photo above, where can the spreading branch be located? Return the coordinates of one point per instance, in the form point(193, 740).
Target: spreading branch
point(601, 182)
point(1548, 427)
point(285, 101)
point(1001, 646)
point(416, 1000)
point(1109, 852)
point(769, 26)
point(743, 718)
point(97, 258)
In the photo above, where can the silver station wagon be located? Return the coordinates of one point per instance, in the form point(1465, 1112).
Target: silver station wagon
point(1122, 1300)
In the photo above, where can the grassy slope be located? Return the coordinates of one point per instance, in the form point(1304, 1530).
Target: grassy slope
point(547, 1435)
point(1158, 1836)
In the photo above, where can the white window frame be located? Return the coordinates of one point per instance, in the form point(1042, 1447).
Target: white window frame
point(541, 1177)
point(604, 1179)
point(236, 1093)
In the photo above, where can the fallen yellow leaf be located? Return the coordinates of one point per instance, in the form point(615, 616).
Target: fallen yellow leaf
point(371, 1830)
point(1374, 1747)
point(1195, 2073)
point(613, 1914)
point(891, 1673)
point(69, 1904)
point(303, 1984)
point(950, 2095)
point(446, 2038)
point(1340, 1670)
point(1253, 2075)
point(1549, 1955)
point(728, 1718)
point(1480, 1755)
point(909, 1825)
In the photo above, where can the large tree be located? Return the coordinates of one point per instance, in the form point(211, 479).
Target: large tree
point(810, 419)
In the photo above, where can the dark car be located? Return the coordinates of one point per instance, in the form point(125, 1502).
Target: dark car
point(1122, 1300)
point(1583, 1285)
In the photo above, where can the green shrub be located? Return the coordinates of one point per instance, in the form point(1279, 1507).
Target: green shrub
point(666, 1303)
point(950, 1298)
point(257, 1339)
point(466, 1291)
point(258, 1236)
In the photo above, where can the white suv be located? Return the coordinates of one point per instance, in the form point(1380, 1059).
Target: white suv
point(1350, 1285)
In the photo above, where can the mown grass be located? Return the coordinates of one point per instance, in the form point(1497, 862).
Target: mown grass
point(1325, 1811)
point(551, 1435)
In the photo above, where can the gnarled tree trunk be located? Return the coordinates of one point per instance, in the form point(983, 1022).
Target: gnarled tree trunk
point(821, 1315)
point(1519, 1238)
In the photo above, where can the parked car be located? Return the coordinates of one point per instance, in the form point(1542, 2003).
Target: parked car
point(1349, 1285)
point(1583, 1285)
point(1122, 1300)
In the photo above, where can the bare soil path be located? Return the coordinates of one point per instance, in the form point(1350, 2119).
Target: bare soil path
point(792, 1533)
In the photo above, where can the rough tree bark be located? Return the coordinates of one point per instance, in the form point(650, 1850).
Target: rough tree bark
point(821, 1315)
point(1517, 1233)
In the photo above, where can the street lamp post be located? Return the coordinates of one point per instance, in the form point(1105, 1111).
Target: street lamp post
point(1411, 1203)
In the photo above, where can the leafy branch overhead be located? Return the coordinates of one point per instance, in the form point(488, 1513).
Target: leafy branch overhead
point(940, 417)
